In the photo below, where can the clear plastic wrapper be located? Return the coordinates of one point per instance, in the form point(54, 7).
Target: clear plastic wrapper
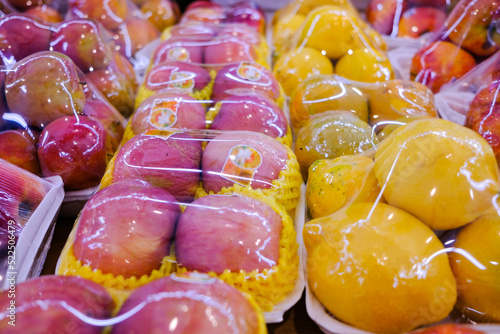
point(468, 37)
point(28, 209)
point(355, 51)
point(414, 238)
point(179, 303)
point(49, 11)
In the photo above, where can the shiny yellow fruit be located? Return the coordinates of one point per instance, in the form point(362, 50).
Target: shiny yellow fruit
point(333, 184)
point(391, 126)
point(294, 66)
point(322, 93)
point(378, 268)
point(365, 65)
point(442, 173)
point(284, 30)
point(476, 265)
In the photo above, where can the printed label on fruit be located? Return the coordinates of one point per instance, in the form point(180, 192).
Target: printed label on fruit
point(249, 72)
point(163, 113)
point(241, 164)
point(182, 80)
point(178, 54)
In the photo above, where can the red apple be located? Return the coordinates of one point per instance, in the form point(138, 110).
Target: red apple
point(121, 64)
point(161, 13)
point(23, 5)
point(115, 87)
point(222, 51)
point(243, 157)
point(248, 15)
point(166, 110)
point(187, 303)
point(43, 87)
point(239, 78)
point(219, 232)
point(18, 148)
point(252, 113)
point(439, 63)
point(45, 13)
point(48, 304)
point(384, 15)
point(199, 32)
point(240, 31)
point(448, 329)
point(203, 4)
point(126, 228)
point(22, 35)
point(81, 40)
point(177, 75)
point(420, 20)
point(177, 49)
point(471, 24)
point(74, 147)
point(111, 13)
point(431, 3)
point(113, 122)
point(134, 34)
point(171, 163)
point(211, 14)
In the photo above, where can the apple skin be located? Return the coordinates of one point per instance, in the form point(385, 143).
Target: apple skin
point(384, 15)
point(126, 228)
point(200, 32)
point(177, 49)
point(22, 35)
point(121, 64)
point(43, 87)
point(229, 81)
point(172, 163)
point(161, 13)
point(109, 117)
point(273, 157)
point(439, 63)
point(196, 303)
point(74, 147)
point(240, 31)
point(448, 329)
point(431, 3)
point(23, 5)
point(483, 116)
point(111, 13)
point(248, 15)
point(158, 78)
point(255, 113)
point(45, 13)
point(220, 232)
point(205, 14)
point(18, 148)
point(203, 4)
point(222, 51)
point(190, 113)
point(476, 33)
point(419, 20)
point(134, 34)
point(80, 40)
point(40, 309)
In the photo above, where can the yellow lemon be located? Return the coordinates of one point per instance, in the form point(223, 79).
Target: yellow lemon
point(296, 65)
point(442, 173)
point(333, 184)
point(364, 65)
point(284, 30)
point(378, 268)
point(476, 265)
point(391, 126)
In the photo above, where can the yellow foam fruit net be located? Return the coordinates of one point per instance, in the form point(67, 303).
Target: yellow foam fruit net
point(269, 286)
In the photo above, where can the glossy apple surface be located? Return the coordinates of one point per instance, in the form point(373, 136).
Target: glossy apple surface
point(18, 148)
point(176, 49)
point(161, 13)
point(177, 75)
point(111, 13)
point(248, 15)
point(134, 34)
point(421, 20)
point(109, 117)
point(126, 228)
point(45, 13)
point(223, 51)
point(384, 15)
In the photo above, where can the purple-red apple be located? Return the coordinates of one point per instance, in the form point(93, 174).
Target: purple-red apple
point(134, 34)
point(219, 232)
point(239, 78)
point(203, 4)
point(384, 15)
point(178, 49)
point(431, 3)
point(207, 14)
point(252, 113)
point(18, 148)
point(222, 51)
point(181, 76)
point(439, 63)
point(240, 31)
point(111, 13)
point(74, 147)
point(124, 66)
point(187, 303)
point(171, 163)
point(126, 228)
point(110, 118)
point(45, 13)
point(23, 5)
point(80, 39)
point(248, 15)
point(49, 304)
point(201, 32)
point(161, 13)
point(242, 157)
point(420, 20)
point(166, 110)
point(43, 87)
point(22, 35)
point(115, 87)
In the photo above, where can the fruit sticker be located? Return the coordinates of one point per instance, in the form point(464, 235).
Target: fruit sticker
point(163, 114)
point(182, 80)
point(178, 54)
point(248, 71)
point(241, 164)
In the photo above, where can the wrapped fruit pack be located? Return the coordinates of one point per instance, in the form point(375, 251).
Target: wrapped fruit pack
point(156, 217)
point(49, 11)
point(187, 303)
point(56, 123)
point(28, 209)
point(468, 37)
point(413, 239)
point(353, 51)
